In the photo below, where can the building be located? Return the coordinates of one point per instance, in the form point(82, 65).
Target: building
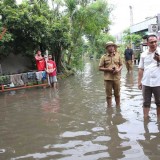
point(151, 25)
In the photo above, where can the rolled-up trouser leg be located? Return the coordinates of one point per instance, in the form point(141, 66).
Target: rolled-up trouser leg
point(156, 92)
point(147, 94)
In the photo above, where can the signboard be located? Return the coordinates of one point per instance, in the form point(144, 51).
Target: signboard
point(153, 28)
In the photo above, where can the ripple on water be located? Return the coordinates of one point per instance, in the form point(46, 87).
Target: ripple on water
point(82, 150)
point(135, 154)
point(102, 139)
point(69, 144)
point(75, 134)
point(91, 122)
point(2, 151)
point(96, 129)
point(82, 128)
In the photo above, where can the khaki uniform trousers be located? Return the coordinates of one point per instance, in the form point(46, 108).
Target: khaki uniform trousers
point(112, 85)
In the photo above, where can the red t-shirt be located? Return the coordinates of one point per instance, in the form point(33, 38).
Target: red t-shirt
point(40, 62)
point(51, 68)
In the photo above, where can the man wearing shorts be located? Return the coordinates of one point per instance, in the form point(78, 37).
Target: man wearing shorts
point(111, 65)
point(149, 75)
point(51, 70)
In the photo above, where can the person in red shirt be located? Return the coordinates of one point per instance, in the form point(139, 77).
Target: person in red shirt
point(51, 70)
point(40, 61)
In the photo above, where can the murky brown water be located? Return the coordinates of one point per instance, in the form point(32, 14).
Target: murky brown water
point(74, 124)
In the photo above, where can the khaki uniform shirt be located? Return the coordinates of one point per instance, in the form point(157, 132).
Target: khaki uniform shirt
point(108, 61)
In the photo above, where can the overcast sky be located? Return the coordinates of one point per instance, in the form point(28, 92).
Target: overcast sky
point(140, 8)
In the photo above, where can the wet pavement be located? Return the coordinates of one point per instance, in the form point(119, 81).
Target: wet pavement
point(75, 124)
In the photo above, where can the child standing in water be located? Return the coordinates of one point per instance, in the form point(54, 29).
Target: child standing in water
point(51, 69)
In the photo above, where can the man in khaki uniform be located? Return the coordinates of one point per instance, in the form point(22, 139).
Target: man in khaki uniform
point(111, 65)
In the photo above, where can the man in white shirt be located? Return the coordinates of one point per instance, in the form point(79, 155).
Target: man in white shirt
point(149, 75)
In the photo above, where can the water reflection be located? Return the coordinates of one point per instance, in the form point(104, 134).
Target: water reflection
point(151, 143)
point(129, 79)
point(116, 145)
point(52, 105)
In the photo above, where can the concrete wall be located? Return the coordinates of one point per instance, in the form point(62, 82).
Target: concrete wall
point(15, 64)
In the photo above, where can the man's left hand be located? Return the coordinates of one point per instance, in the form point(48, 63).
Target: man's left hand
point(115, 71)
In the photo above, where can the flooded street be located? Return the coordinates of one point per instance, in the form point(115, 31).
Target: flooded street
point(75, 124)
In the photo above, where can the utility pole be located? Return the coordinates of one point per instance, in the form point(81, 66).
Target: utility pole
point(131, 22)
point(131, 16)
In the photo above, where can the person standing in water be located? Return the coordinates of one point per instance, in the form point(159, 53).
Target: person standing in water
point(149, 75)
point(51, 69)
point(129, 58)
point(111, 65)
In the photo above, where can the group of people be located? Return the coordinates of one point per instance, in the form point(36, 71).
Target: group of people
point(47, 64)
point(148, 73)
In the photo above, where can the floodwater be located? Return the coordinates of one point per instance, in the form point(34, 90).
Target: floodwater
point(75, 124)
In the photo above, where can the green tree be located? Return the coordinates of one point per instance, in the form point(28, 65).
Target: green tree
point(87, 18)
point(101, 40)
point(129, 38)
point(36, 25)
point(33, 27)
